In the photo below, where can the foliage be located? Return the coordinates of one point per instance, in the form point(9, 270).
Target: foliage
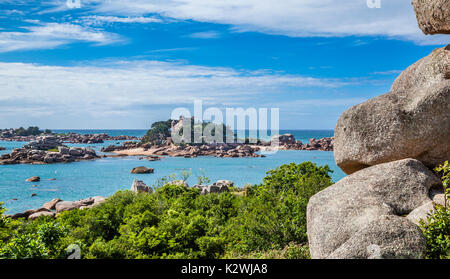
point(437, 233)
point(175, 222)
point(444, 170)
point(292, 252)
point(203, 179)
point(436, 228)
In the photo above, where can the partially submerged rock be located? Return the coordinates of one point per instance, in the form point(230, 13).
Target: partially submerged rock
point(33, 179)
point(433, 16)
point(142, 170)
point(411, 121)
point(338, 215)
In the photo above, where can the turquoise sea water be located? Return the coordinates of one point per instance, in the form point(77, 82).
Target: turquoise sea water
point(104, 177)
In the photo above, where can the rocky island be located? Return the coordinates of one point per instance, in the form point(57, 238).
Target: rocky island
point(47, 150)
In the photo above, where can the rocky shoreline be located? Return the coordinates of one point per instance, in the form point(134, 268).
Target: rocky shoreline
point(57, 206)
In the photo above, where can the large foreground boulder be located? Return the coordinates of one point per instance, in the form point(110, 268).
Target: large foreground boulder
point(342, 220)
point(433, 16)
point(411, 121)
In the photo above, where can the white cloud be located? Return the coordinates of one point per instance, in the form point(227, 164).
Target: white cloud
point(99, 20)
point(205, 35)
point(126, 87)
point(297, 18)
point(52, 35)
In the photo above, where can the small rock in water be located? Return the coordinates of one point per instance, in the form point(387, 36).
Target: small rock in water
point(142, 170)
point(33, 179)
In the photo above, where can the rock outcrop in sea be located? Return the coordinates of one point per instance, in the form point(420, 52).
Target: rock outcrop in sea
point(388, 145)
point(47, 150)
point(411, 121)
point(142, 170)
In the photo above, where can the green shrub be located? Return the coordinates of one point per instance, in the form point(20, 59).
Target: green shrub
point(274, 214)
point(38, 239)
point(437, 233)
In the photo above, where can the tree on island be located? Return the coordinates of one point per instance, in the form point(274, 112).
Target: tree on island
point(158, 133)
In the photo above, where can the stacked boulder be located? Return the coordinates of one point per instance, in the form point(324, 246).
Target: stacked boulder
point(388, 145)
point(56, 206)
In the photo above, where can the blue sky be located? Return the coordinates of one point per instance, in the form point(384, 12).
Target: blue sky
point(125, 64)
